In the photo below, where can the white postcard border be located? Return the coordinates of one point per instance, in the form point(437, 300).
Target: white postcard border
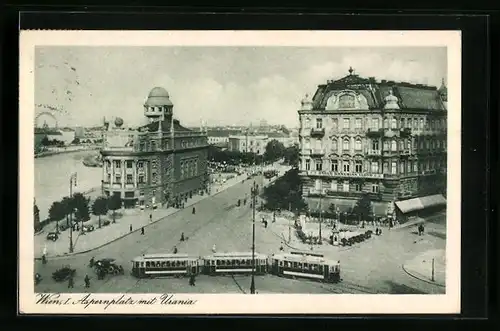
point(240, 303)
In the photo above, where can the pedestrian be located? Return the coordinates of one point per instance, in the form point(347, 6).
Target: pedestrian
point(192, 280)
point(182, 236)
point(130, 227)
point(87, 281)
point(44, 259)
point(71, 282)
point(380, 232)
point(142, 231)
point(175, 250)
point(151, 217)
point(281, 247)
point(194, 210)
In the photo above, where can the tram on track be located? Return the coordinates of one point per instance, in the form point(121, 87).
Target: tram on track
point(294, 264)
point(157, 265)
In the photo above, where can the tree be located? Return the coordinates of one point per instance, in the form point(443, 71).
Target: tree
point(291, 155)
point(57, 213)
point(100, 207)
point(76, 141)
point(285, 192)
point(274, 151)
point(363, 207)
point(69, 208)
point(81, 206)
point(45, 141)
point(114, 203)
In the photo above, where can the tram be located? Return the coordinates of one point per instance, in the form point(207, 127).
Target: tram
point(304, 265)
point(158, 265)
point(234, 263)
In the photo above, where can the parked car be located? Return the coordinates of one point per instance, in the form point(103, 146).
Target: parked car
point(52, 236)
point(88, 228)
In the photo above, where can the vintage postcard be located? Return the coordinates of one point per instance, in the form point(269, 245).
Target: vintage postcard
point(236, 172)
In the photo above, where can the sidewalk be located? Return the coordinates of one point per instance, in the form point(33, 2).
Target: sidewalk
point(114, 231)
point(420, 267)
point(102, 236)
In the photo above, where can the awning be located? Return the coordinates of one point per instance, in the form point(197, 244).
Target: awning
point(406, 206)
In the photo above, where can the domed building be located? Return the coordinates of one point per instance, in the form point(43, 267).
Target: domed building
point(388, 140)
point(160, 163)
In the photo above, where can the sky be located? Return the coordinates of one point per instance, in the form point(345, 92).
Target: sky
point(219, 85)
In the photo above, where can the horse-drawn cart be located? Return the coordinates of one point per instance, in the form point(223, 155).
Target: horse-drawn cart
point(107, 266)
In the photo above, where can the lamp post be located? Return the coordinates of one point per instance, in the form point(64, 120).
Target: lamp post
point(254, 200)
point(72, 180)
point(320, 214)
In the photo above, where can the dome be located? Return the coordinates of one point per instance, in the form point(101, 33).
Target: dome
point(391, 101)
point(118, 122)
point(158, 97)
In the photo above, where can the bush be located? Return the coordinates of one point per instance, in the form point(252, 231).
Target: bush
point(106, 223)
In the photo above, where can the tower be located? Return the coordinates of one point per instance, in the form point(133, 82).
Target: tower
point(158, 106)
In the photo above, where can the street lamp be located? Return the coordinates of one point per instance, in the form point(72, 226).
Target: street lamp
point(320, 214)
point(254, 200)
point(72, 180)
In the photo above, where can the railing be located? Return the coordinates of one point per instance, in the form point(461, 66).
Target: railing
point(374, 152)
point(372, 132)
point(317, 151)
point(405, 152)
point(317, 132)
point(341, 174)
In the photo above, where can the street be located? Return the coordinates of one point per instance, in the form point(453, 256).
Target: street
point(370, 267)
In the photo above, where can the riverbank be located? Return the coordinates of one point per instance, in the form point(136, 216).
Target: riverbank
point(66, 151)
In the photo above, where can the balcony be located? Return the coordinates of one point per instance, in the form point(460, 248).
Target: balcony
point(317, 132)
point(129, 186)
point(317, 152)
point(428, 172)
point(405, 132)
point(373, 152)
point(405, 152)
point(405, 195)
point(323, 173)
point(374, 133)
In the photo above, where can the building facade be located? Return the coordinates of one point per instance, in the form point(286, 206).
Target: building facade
point(248, 143)
point(161, 162)
point(358, 135)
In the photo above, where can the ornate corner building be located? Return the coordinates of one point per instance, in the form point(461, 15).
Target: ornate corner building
point(160, 162)
point(385, 138)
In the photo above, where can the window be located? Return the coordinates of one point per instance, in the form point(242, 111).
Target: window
point(347, 123)
point(386, 123)
point(345, 166)
point(409, 123)
point(358, 144)
point(335, 145)
point(130, 179)
point(408, 144)
point(319, 165)
point(129, 194)
point(308, 165)
point(346, 186)
point(421, 124)
point(319, 123)
point(333, 185)
point(403, 123)
point(118, 179)
point(345, 145)
point(415, 123)
point(141, 179)
point(427, 144)
point(140, 165)
point(358, 123)
point(308, 123)
point(386, 145)
point(317, 184)
point(394, 124)
point(153, 145)
point(129, 164)
point(402, 167)
point(117, 164)
point(415, 166)
point(438, 144)
point(375, 145)
point(394, 146)
point(358, 166)
point(141, 193)
point(335, 165)
point(375, 123)
point(357, 187)
point(394, 168)
point(401, 144)
point(386, 168)
point(374, 167)
point(408, 167)
point(153, 177)
point(108, 178)
point(335, 124)
point(182, 169)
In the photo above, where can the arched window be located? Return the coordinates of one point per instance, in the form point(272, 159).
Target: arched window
point(358, 144)
point(334, 144)
point(386, 123)
point(394, 146)
point(394, 124)
point(345, 145)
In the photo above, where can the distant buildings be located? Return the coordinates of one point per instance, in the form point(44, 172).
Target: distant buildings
point(386, 139)
point(161, 162)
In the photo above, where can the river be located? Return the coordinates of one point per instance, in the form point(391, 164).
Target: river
point(52, 178)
